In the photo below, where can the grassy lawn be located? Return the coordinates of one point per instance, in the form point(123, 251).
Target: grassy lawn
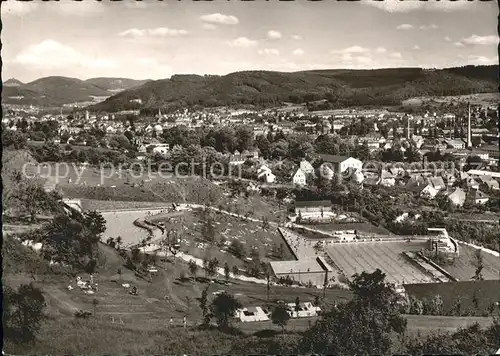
point(464, 266)
point(486, 293)
point(227, 228)
point(109, 205)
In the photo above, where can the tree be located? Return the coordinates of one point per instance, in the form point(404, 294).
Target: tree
point(297, 307)
point(34, 199)
point(204, 305)
point(208, 229)
point(472, 340)
point(111, 242)
point(95, 302)
point(237, 248)
point(91, 266)
point(280, 316)
point(118, 242)
point(362, 326)
point(235, 270)
point(193, 268)
point(265, 223)
point(13, 139)
point(95, 222)
point(223, 308)
point(268, 281)
point(416, 306)
point(212, 267)
point(478, 263)
point(23, 311)
point(226, 271)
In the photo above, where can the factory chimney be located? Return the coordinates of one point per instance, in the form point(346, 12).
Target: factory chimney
point(408, 131)
point(469, 135)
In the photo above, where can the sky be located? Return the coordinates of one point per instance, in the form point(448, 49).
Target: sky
point(153, 39)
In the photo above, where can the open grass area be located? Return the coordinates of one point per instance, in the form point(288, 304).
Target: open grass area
point(418, 325)
point(485, 292)
point(464, 266)
point(227, 228)
point(474, 99)
point(110, 205)
point(139, 325)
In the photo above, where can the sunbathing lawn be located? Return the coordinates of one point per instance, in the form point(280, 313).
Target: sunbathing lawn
point(251, 234)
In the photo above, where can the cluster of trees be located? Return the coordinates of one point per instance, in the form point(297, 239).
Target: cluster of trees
point(435, 306)
point(485, 234)
point(52, 152)
point(23, 312)
point(71, 239)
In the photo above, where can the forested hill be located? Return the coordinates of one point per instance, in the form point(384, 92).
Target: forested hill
point(342, 88)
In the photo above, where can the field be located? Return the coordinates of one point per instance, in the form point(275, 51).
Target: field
point(227, 228)
point(474, 99)
point(464, 267)
point(486, 293)
point(422, 325)
point(358, 257)
point(111, 205)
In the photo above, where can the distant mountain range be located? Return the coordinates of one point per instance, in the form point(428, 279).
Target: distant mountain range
point(56, 91)
point(340, 88)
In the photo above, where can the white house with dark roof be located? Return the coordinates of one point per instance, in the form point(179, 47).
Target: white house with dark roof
point(306, 167)
point(475, 196)
point(342, 163)
point(299, 177)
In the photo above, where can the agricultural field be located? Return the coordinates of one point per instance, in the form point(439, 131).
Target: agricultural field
point(252, 235)
point(474, 99)
point(464, 266)
point(358, 257)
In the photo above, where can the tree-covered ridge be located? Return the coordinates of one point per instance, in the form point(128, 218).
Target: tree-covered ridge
point(341, 88)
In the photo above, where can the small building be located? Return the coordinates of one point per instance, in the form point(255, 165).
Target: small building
point(478, 173)
point(308, 207)
point(477, 197)
point(160, 150)
point(455, 144)
point(236, 160)
point(306, 167)
point(299, 177)
point(342, 163)
point(489, 183)
point(326, 171)
point(437, 183)
point(457, 197)
point(386, 179)
point(314, 271)
point(264, 173)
